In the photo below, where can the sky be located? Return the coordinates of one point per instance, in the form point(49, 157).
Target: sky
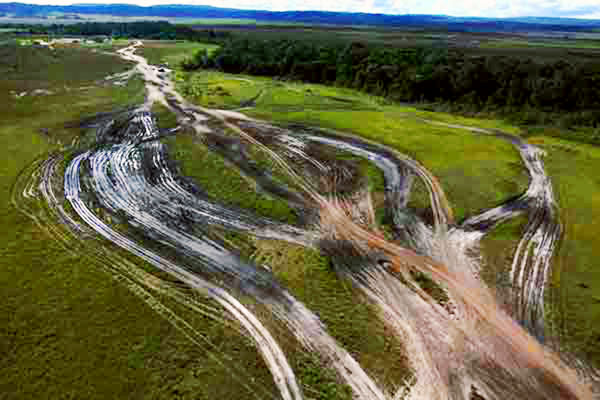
point(476, 8)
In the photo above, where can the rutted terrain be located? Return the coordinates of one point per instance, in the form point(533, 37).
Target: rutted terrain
point(458, 344)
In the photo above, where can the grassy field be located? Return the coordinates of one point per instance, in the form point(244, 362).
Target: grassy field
point(67, 330)
point(165, 118)
point(573, 301)
point(355, 324)
point(573, 169)
point(173, 53)
point(222, 181)
point(476, 171)
point(70, 91)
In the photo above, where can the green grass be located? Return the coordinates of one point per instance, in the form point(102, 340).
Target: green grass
point(166, 118)
point(215, 90)
point(110, 45)
point(486, 123)
point(63, 66)
point(586, 135)
point(476, 171)
point(223, 182)
point(573, 169)
point(348, 318)
point(232, 91)
point(76, 91)
point(67, 330)
point(498, 248)
point(173, 53)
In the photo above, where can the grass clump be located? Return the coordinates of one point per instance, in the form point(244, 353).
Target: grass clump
point(319, 383)
point(498, 248)
point(222, 181)
point(166, 118)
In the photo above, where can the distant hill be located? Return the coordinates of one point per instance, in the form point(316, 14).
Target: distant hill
point(21, 10)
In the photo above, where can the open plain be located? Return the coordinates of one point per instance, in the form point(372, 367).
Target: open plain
point(197, 234)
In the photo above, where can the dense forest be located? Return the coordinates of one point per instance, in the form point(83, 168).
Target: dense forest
point(530, 89)
point(136, 30)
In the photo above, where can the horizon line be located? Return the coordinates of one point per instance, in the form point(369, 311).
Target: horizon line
point(582, 18)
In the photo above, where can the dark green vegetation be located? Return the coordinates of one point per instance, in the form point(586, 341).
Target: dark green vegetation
point(471, 43)
point(131, 30)
point(527, 90)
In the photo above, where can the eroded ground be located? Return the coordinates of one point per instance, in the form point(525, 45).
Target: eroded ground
point(195, 224)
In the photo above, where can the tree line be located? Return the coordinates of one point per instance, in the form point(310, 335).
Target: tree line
point(162, 30)
point(525, 87)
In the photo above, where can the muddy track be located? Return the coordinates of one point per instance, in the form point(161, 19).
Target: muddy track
point(40, 180)
point(531, 266)
point(159, 205)
point(457, 346)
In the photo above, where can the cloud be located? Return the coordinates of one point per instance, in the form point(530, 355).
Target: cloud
point(475, 8)
point(495, 8)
